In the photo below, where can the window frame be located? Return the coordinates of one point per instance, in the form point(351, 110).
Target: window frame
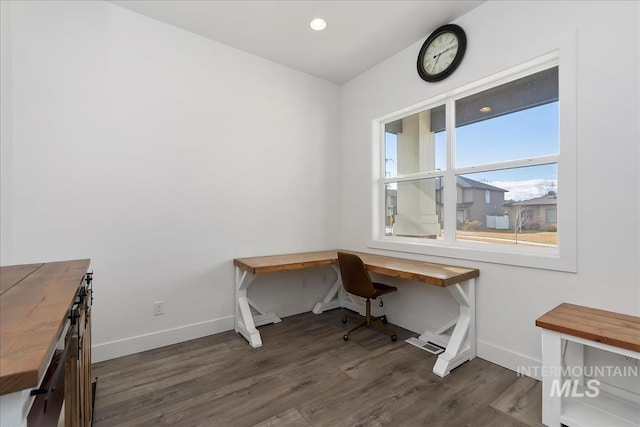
point(562, 258)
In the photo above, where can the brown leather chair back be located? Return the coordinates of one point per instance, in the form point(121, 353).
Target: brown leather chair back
point(355, 277)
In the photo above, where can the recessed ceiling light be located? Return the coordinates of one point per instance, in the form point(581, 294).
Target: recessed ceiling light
point(318, 24)
point(486, 109)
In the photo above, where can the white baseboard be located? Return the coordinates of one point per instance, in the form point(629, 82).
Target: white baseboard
point(400, 318)
point(137, 344)
point(287, 310)
point(520, 363)
point(110, 350)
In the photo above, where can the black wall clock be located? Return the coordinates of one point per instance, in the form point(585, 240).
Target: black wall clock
point(441, 53)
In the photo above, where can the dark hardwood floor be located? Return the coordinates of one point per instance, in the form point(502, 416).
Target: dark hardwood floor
point(306, 375)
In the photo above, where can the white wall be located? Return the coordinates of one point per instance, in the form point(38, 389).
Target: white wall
point(502, 34)
point(6, 228)
point(161, 156)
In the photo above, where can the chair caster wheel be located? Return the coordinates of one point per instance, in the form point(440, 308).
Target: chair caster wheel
point(345, 337)
point(394, 337)
point(383, 319)
point(344, 320)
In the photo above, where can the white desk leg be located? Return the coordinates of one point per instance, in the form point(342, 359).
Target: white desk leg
point(246, 321)
point(262, 317)
point(461, 345)
point(552, 374)
point(336, 297)
point(330, 301)
point(244, 318)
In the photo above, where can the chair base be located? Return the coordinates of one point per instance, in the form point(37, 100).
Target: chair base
point(369, 321)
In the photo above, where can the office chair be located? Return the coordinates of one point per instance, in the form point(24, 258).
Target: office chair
point(356, 281)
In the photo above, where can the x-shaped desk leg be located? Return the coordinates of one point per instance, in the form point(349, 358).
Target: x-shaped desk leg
point(336, 297)
point(461, 344)
point(246, 321)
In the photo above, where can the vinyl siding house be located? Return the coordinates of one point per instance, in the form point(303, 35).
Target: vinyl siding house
point(476, 200)
point(542, 212)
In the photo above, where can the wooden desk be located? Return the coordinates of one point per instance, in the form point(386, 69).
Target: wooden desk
point(459, 281)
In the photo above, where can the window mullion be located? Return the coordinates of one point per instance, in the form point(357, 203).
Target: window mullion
point(379, 193)
point(511, 164)
point(413, 176)
point(449, 201)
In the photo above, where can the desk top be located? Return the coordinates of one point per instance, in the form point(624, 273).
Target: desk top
point(425, 272)
point(34, 304)
point(619, 330)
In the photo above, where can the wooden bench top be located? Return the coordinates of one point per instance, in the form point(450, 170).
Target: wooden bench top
point(425, 272)
point(34, 305)
point(619, 330)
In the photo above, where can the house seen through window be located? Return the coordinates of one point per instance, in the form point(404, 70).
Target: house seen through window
point(480, 167)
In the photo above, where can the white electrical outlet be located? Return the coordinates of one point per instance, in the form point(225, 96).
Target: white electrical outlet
point(158, 308)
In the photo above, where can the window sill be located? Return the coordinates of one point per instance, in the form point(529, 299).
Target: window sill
point(521, 257)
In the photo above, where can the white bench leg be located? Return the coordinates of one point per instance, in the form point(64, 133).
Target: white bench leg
point(552, 374)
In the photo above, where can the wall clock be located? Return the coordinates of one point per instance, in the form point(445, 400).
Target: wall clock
point(442, 52)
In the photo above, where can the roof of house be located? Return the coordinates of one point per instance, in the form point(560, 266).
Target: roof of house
point(461, 182)
point(551, 198)
point(470, 183)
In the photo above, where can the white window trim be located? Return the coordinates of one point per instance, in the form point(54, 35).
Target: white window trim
point(564, 258)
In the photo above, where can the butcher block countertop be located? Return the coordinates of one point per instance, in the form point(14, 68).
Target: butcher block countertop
point(34, 305)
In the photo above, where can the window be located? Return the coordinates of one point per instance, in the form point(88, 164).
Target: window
point(476, 170)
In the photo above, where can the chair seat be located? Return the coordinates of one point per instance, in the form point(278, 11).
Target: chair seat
point(382, 289)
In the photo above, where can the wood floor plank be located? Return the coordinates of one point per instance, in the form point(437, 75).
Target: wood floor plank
point(288, 418)
point(305, 375)
point(522, 400)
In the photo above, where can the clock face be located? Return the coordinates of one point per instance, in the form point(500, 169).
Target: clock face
point(441, 53)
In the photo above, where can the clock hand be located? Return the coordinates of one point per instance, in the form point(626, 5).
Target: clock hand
point(438, 55)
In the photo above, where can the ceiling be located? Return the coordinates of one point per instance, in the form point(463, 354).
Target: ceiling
point(359, 34)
